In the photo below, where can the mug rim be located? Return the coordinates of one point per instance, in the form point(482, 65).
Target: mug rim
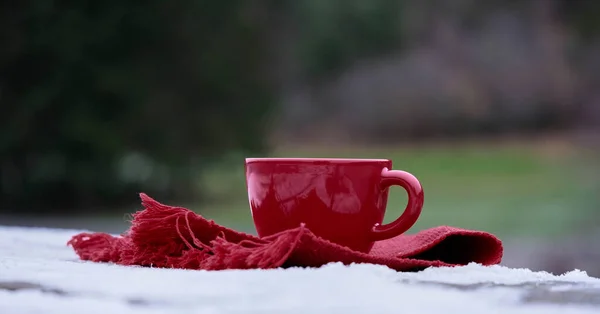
point(310, 159)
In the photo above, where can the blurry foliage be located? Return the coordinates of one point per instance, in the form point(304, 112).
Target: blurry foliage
point(333, 34)
point(103, 99)
point(582, 15)
point(401, 70)
point(100, 100)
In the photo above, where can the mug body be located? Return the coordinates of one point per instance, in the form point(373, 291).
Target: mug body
point(340, 200)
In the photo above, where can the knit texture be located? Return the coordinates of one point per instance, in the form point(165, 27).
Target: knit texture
point(175, 237)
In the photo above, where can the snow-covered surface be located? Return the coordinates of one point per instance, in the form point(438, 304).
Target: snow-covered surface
point(40, 274)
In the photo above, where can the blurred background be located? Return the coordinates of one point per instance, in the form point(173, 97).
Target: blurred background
point(494, 105)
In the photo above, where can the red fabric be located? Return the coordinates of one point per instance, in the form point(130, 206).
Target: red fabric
point(175, 237)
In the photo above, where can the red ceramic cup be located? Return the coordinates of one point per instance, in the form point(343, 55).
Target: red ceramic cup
point(341, 200)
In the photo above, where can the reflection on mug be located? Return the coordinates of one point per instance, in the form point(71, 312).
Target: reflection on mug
point(258, 187)
point(334, 190)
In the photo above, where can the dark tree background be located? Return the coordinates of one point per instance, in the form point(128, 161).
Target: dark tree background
point(85, 84)
point(100, 100)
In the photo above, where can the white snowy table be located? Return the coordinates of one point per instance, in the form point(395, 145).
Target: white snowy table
point(40, 274)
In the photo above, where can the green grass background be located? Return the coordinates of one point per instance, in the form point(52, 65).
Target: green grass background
point(530, 189)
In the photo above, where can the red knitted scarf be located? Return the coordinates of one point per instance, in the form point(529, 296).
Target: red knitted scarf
point(175, 237)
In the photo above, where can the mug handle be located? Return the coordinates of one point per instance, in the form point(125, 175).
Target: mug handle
point(413, 209)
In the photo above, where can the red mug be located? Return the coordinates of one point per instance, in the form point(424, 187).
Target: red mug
point(341, 200)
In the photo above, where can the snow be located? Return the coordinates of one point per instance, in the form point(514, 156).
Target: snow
point(58, 282)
